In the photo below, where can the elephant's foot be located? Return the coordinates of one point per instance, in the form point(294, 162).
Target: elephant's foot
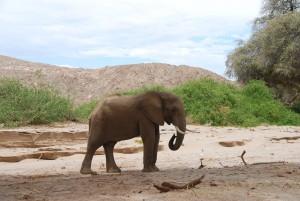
point(155, 168)
point(85, 170)
point(151, 168)
point(113, 170)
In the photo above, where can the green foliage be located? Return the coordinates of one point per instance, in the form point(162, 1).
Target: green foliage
point(20, 105)
point(144, 89)
point(278, 7)
point(220, 104)
point(271, 55)
point(296, 108)
point(273, 8)
point(206, 102)
point(260, 106)
point(272, 52)
point(82, 112)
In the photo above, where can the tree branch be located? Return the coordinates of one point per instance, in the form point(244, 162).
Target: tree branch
point(167, 186)
point(242, 157)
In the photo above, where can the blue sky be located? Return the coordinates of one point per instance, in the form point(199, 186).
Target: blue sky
point(98, 33)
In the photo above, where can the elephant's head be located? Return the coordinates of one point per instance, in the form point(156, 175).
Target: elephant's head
point(162, 107)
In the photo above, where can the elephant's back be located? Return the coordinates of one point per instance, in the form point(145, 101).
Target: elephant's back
point(117, 101)
point(114, 105)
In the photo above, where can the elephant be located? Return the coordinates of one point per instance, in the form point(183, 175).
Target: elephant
point(122, 117)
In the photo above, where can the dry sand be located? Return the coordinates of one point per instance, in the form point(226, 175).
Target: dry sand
point(272, 152)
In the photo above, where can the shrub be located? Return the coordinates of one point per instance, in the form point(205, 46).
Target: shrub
point(82, 112)
point(296, 107)
point(206, 102)
point(221, 104)
point(259, 102)
point(20, 105)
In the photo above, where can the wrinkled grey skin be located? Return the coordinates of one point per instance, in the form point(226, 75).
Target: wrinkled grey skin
point(124, 117)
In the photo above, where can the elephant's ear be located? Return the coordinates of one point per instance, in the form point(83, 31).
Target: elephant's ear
point(152, 107)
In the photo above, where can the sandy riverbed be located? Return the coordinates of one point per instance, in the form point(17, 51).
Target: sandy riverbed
point(42, 163)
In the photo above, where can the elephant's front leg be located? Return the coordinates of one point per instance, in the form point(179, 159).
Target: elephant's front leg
point(149, 140)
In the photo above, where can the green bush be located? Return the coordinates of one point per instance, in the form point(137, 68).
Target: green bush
point(20, 105)
point(260, 103)
point(206, 102)
point(295, 107)
point(82, 112)
point(220, 104)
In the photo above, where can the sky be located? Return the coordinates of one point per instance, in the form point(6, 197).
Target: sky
point(99, 33)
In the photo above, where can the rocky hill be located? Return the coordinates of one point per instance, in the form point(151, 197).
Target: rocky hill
point(83, 85)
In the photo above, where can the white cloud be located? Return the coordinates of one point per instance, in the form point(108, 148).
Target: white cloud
point(174, 31)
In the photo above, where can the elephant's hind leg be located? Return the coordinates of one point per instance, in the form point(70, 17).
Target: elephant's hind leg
point(111, 166)
point(87, 161)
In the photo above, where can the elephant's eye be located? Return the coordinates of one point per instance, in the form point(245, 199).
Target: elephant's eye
point(174, 110)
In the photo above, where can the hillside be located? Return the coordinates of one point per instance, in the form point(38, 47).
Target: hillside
point(83, 85)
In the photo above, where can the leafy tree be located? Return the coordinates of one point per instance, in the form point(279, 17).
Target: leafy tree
point(272, 53)
point(273, 8)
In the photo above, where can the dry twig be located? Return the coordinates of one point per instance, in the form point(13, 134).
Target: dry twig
point(242, 157)
point(224, 166)
point(40, 156)
point(166, 186)
point(162, 188)
point(264, 163)
point(260, 163)
point(201, 165)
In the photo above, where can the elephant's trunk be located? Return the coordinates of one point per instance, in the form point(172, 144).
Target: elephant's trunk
point(179, 138)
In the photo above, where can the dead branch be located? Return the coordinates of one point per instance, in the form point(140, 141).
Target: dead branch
point(167, 186)
point(201, 165)
point(162, 188)
point(242, 157)
point(260, 163)
point(265, 163)
point(171, 186)
point(285, 138)
point(224, 166)
point(40, 156)
point(192, 184)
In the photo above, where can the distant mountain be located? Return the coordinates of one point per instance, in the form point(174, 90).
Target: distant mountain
point(83, 85)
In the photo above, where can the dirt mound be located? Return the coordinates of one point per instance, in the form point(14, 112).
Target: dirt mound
point(83, 85)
